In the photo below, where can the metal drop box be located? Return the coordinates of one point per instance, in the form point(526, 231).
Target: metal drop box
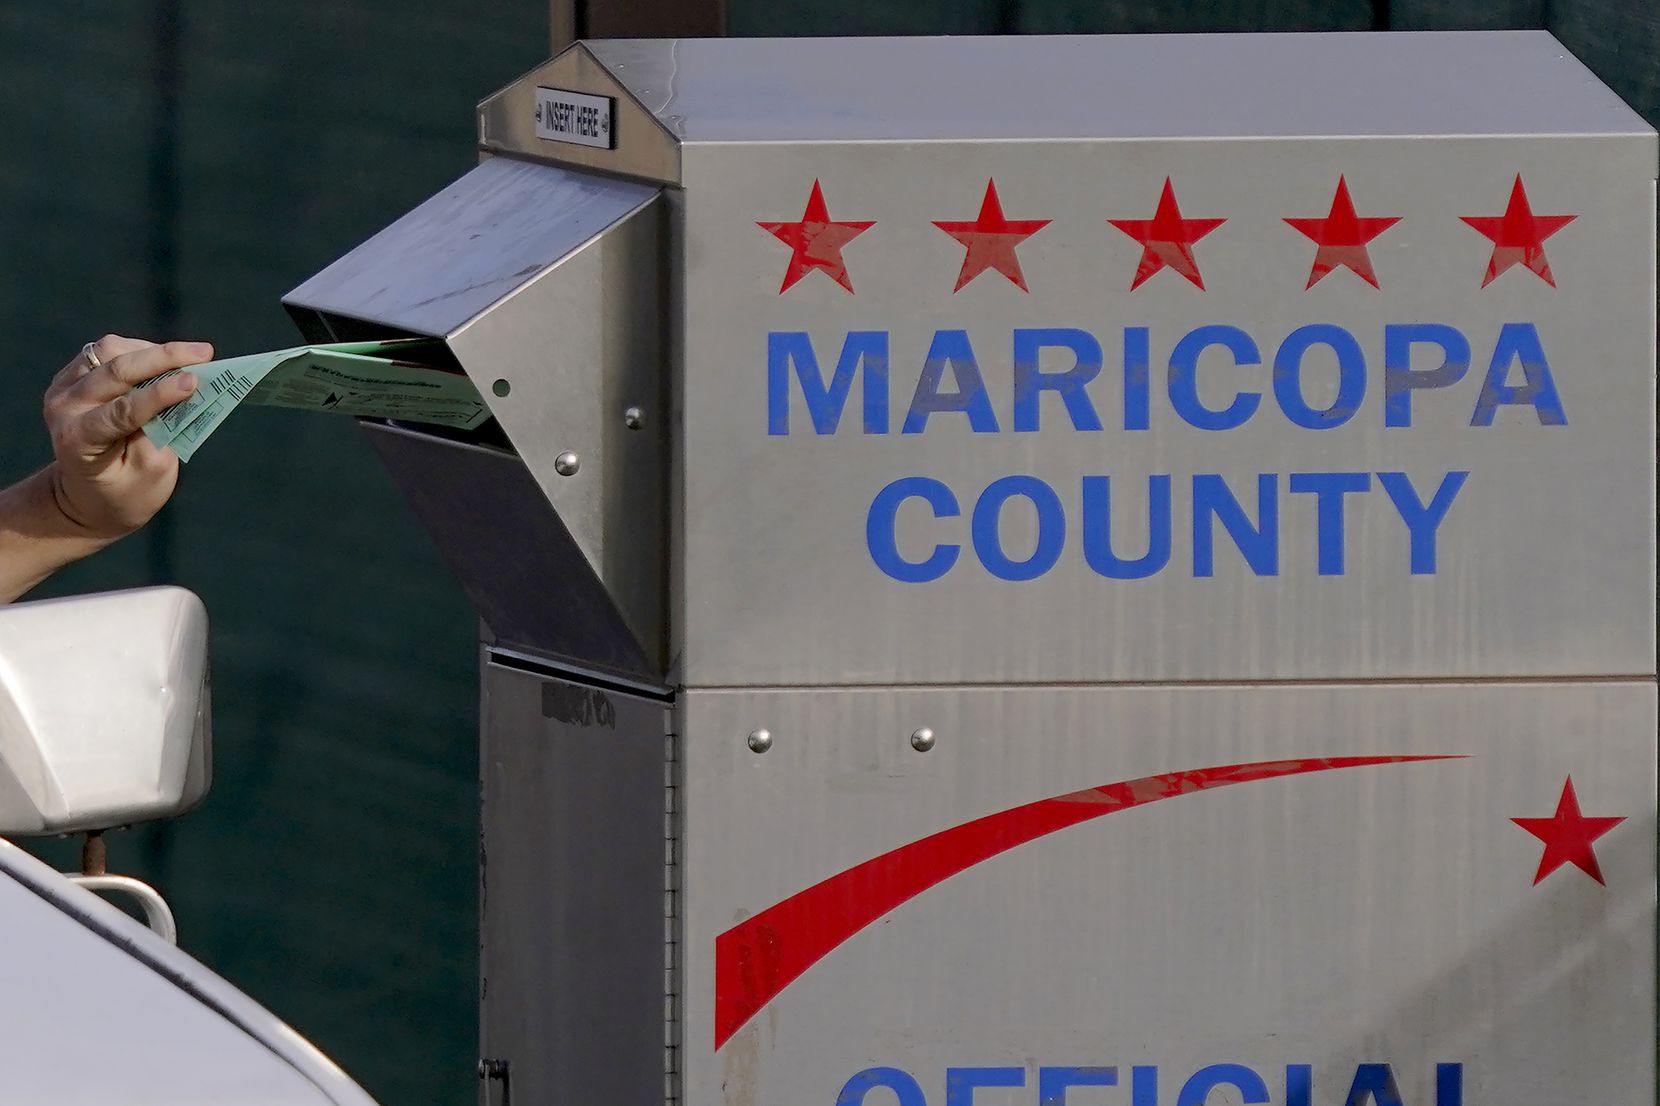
point(1051, 570)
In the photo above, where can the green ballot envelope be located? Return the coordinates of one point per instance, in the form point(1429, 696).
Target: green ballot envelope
point(378, 379)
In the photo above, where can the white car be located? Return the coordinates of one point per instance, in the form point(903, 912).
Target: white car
point(104, 722)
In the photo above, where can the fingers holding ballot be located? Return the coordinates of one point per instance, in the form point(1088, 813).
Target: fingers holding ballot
point(108, 477)
point(124, 413)
point(391, 379)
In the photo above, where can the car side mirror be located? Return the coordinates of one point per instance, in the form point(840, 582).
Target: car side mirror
point(103, 710)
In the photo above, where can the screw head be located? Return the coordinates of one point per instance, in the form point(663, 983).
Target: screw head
point(634, 418)
point(922, 739)
point(567, 463)
point(760, 740)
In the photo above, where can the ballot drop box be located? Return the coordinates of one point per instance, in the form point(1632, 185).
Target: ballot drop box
point(1102, 571)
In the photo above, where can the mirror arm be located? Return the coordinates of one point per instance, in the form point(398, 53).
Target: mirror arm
point(156, 911)
point(92, 853)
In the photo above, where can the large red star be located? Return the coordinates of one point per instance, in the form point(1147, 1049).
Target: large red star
point(1518, 236)
point(1167, 239)
point(991, 240)
point(1568, 835)
point(1342, 238)
point(816, 241)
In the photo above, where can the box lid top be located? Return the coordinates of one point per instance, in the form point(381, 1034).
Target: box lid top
point(1326, 85)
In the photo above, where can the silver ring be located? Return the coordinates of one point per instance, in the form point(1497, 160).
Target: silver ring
point(90, 355)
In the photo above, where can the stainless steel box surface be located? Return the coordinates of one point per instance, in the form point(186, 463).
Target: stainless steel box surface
point(570, 888)
point(1250, 438)
point(1039, 497)
point(1015, 573)
point(1292, 319)
point(1169, 879)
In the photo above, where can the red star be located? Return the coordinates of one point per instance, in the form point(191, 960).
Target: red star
point(817, 241)
point(1342, 238)
point(1568, 835)
point(991, 240)
point(1518, 236)
point(1167, 239)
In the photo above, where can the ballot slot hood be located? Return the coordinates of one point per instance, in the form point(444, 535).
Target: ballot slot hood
point(514, 558)
point(546, 285)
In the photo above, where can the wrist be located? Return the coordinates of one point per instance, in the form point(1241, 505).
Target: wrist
point(72, 523)
point(37, 535)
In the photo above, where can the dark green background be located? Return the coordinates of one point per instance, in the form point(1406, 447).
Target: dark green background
point(170, 168)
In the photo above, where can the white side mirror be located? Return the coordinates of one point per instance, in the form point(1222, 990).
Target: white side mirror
point(103, 710)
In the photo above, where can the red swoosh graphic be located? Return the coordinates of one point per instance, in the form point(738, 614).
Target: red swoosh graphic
point(763, 954)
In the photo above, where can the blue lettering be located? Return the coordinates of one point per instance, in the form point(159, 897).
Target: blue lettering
point(1029, 383)
point(1299, 1085)
point(1096, 523)
point(906, 1091)
point(864, 359)
point(825, 401)
point(1374, 1083)
point(1449, 1085)
point(961, 1083)
point(1144, 1085)
point(1538, 390)
point(1422, 522)
point(1399, 379)
point(951, 347)
point(880, 526)
point(1051, 528)
point(1258, 544)
point(1252, 1089)
point(1136, 358)
point(1183, 381)
point(1053, 1083)
point(1328, 489)
point(1288, 376)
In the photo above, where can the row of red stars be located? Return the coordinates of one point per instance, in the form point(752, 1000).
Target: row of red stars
point(1167, 239)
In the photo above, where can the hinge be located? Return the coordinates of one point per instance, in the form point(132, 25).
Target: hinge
point(493, 1073)
point(671, 912)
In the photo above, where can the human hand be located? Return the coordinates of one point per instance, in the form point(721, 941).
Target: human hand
point(107, 477)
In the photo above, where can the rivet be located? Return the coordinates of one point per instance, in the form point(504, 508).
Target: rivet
point(567, 463)
point(634, 418)
point(922, 739)
point(760, 740)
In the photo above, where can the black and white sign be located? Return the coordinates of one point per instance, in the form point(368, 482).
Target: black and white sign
point(575, 117)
